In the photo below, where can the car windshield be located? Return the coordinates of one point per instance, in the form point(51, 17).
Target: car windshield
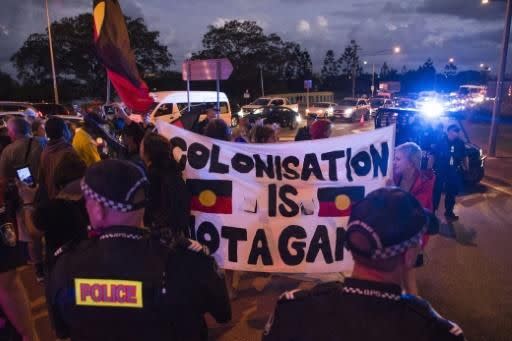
point(348, 102)
point(321, 105)
point(406, 104)
point(261, 101)
point(377, 102)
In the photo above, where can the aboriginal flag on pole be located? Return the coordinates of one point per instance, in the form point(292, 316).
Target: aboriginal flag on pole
point(113, 49)
point(338, 201)
point(211, 196)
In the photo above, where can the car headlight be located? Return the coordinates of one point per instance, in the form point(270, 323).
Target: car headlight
point(330, 111)
point(349, 111)
point(241, 113)
point(298, 119)
point(307, 111)
point(479, 99)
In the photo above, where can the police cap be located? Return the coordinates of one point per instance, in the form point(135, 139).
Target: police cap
point(116, 184)
point(390, 221)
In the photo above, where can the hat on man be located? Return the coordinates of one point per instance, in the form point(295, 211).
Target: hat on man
point(116, 184)
point(386, 223)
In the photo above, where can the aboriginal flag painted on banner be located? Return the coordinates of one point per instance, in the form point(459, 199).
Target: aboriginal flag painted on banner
point(211, 196)
point(113, 48)
point(338, 201)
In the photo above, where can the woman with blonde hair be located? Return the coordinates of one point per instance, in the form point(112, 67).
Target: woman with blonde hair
point(408, 175)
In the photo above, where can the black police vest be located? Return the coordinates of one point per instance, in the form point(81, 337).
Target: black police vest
point(113, 287)
point(357, 310)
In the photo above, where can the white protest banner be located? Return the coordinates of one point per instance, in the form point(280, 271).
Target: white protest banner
point(279, 207)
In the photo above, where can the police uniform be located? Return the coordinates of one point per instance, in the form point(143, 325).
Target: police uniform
point(449, 158)
point(391, 221)
point(357, 310)
point(123, 284)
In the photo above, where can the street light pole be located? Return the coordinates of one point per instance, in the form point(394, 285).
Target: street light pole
point(373, 79)
point(396, 50)
point(499, 84)
point(55, 91)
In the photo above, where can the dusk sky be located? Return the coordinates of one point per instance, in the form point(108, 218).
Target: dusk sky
point(440, 29)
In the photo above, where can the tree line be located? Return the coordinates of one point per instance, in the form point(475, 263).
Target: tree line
point(284, 65)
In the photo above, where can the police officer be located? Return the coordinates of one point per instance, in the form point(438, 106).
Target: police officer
point(124, 285)
point(449, 161)
point(383, 235)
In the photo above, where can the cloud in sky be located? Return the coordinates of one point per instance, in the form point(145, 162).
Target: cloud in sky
point(430, 28)
point(303, 26)
point(322, 21)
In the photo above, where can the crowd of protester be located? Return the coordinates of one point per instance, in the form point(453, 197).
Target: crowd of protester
point(120, 209)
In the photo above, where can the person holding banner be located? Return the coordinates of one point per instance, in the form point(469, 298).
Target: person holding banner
point(199, 127)
point(241, 132)
point(217, 129)
point(263, 133)
point(320, 129)
point(169, 209)
point(303, 133)
point(420, 183)
point(384, 235)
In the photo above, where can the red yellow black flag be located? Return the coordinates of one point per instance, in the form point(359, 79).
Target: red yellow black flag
point(338, 201)
point(211, 196)
point(113, 48)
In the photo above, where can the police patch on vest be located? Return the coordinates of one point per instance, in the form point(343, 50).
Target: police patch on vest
point(108, 293)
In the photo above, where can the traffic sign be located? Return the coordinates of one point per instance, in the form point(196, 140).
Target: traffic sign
point(246, 94)
point(308, 84)
point(206, 70)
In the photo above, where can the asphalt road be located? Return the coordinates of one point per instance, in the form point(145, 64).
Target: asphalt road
point(467, 275)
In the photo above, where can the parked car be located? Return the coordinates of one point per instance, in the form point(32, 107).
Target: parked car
point(171, 104)
point(412, 125)
point(268, 102)
point(21, 109)
point(51, 109)
point(379, 102)
point(321, 109)
point(283, 116)
point(406, 103)
point(352, 109)
point(34, 110)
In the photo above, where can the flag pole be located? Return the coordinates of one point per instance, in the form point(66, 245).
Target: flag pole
point(218, 88)
point(189, 70)
point(55, 91)
point(108, 90)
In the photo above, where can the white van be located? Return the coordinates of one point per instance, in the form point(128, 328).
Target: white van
point(171, 103)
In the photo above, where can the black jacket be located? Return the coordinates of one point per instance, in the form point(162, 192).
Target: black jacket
point(63, 219)
point(123, 285)
point(357, 310)
point(303, 134)
point(169, 203)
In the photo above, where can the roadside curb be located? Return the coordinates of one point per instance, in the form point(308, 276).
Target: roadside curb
point(498, 181)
